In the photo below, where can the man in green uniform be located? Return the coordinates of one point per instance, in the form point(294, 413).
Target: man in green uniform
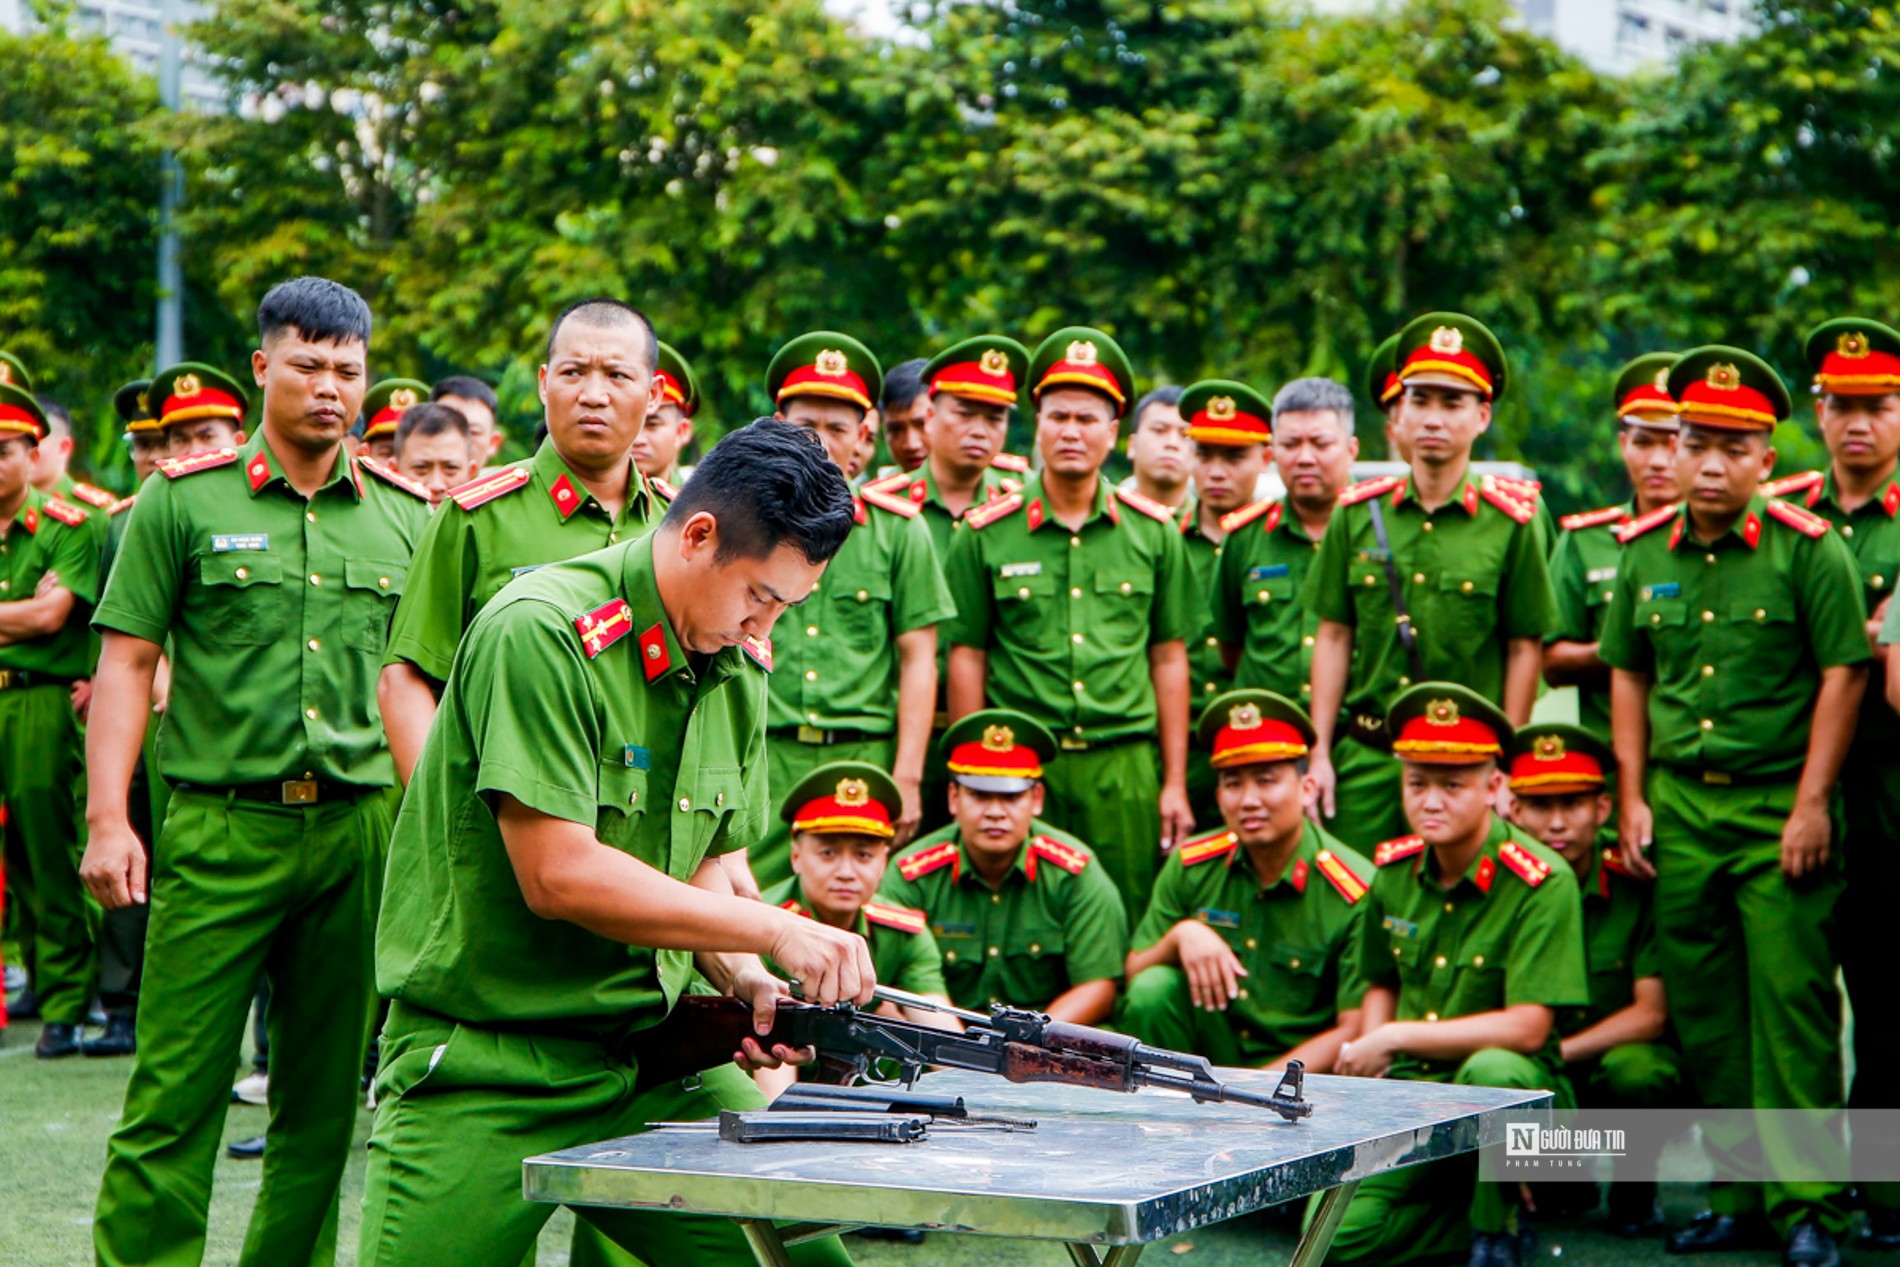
point(580, 492)
point(1159, 450)
point(1435, 575)
point(1472, 943)
point(1385, 390)
point(1615, 1051)
point(857, 681)
point(1583, 567)
point(668, 428)
point(1023, 913)
point(554, 880)
point(271, 573)
point(1738, 643)
point(145, 438)
point(383, 408)
point(903, 414)
point(1074, 601)
point(1249, 950)
point(434, 449)
point(49, 581)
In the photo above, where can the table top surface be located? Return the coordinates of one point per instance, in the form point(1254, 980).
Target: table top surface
point(1099, 1168)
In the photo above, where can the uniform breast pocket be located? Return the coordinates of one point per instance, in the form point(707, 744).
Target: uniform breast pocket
point(1405, 960)
point(620, 795)
point(1665, 619)
point(864, 612)
point(1477, 986)
point(370, 591)
point(1765, 641)
point(1265, 595)
point(1027, 606)
point(244, 599)
point(1124, 604)
point(1035, 941)
point(1468, 603)
point(1371, 593)
point(714, 801)
point(1298, 974)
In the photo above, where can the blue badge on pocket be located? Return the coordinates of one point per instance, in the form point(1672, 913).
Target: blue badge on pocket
point(1268, 572)
point(1375, 556)
point(638, 758)
point(1216, 918)
point(1010, 571)
point(226, 542)
point(1400, 927)
point(1668, 589)
point(954, 930)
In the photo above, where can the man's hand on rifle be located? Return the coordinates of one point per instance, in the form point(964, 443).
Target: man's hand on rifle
point(762, 991)
point(830, 964)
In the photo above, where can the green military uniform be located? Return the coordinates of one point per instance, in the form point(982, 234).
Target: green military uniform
point(1256, 604)
point(504, 523)
point(385, 403)
point(276, 607)
point(1207, 673)
point(40, 759)
point(572, 695)
point(1733, 635)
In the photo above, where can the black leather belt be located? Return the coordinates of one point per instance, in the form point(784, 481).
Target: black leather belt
point(1724, 778)
point(1365, 728)
point(1075, 743)
point(20, 679)
point(822, 737)
point(285, 791)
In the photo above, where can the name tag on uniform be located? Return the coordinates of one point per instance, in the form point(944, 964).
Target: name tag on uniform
point(1400, 927)
point(1012, 570)
point(954, 930)
point(1267, 572)
point(1374, 556)
point(1600, 574)
point(1668, 589)
point(523, 571)
point(638, 758)
point(226, 542)
point(1214, 918)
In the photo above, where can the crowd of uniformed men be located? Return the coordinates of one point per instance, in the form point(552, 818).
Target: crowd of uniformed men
point(495, 762)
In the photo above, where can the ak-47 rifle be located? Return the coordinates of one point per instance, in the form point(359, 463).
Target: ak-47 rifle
point(703, 1031)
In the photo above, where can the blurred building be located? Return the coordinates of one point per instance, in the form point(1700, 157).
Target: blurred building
point(136, 29)
point(1614, 36)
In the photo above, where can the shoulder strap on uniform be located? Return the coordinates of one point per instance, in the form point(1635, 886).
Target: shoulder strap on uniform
point(895, 482)
point(1798, 483)
point(980, 517)
point(1397, 850)
point(1592, 518)
point(1531, 489)
point(1215, 845)
point(92, 495)
point(1805, 522)
point(1530, 869)
point(1353, 494)
point(488, 486)
point(1644, 523)
point(1511, 501)
point(893, 502)
point(1146, 505)
point(67, 513)
point(791, 904)
point(604, 626)
point(177, 468)
point(1350, 884)
point(935, 858)
point(890, 915)
point(1014, 463)
point(1069, 858)
point(1238, 519)
point(1613, 861)
point(662, 490)
point(392, 477)
point(121, 506)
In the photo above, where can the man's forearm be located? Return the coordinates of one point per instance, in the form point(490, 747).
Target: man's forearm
point(969, 669)
point(1523, 665)
point(121, 709)
point(1831, 732)
point(29, 618)
point(1087, 1004)
point(408, 708)
point(1332, 660)
point(1575, 664)
point(1168, 670)
point(1521, 1029)
point(1629, 729)
point(916, 701)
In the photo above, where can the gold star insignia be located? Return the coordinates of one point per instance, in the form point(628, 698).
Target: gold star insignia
point(1222, 409)
point(995, 362)
point(402, 398)
point(1448, 340)
point(186, 385)
point(1244, 717)
point(1662, 379)
point(6, 372)
point(1724, 377)
point(145, 402)
point(1442, 712)
point(998, 739)
point(1081, 352)
point(1853, 345)
point(831, 363)
point(853, 793)
point(1549, 748)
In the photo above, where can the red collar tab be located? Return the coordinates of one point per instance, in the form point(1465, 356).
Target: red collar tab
point(654, 659)
point(30, 520)
point(1484, 873)
point(1890, 501)
point(564, 496)
point(1676, 533)
point(1296, 875)
point(1751, 530)
point(1035, 514)
point(258, 471)
point(857, 510)
point(759, 650)
point(606, 625)
point(662, 490)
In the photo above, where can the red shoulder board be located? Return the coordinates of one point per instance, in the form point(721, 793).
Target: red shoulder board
point(791, 904)
point(902, 918)
point(1340, 876)
point(1049, 849)
point(758, 649)
point(989, 512)
point(1511, 501)
point(1524, 488)
point(1592, 518)
point(121, 506)
point(93, 496)
point(1235, 520)
point(1353, 494)
point(604, 626)
point(1397, 850)
point(661, 489)
point(896, 481)
point(1613, 861)
point(65, 512)
point(393, 477)
point(486, 488)
point(890, 501)
point(1530, 869)
point(1805, 522)
point(174, 468)
point(1218, 845)
point(1146, 505)
point(1794, 484)
point(1637, 527)
point(933, 859)
point(1014, 463)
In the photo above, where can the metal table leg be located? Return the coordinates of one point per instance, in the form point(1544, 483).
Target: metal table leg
point(1318, 1237)
point(770, 1242)
point(1117, 1255)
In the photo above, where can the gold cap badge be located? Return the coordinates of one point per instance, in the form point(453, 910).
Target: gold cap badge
point(186, 385)
point(1442, 712)
point(994, 362)
point(402, 398)
point(853, 793)
point(1853, 345)
point(1549, 748)
point(1081, 352)
point(1244, 717)
point(831, 363)
point(1222, 409)
point(998, 739)
point(145, 401)
point(6, 372)
point(1724, 378)
point(1448, 340)
point(1662, 380)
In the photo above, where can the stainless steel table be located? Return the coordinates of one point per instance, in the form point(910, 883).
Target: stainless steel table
point(1100, 1170)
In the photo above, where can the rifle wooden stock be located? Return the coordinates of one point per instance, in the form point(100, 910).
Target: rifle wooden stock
point(703, 1032)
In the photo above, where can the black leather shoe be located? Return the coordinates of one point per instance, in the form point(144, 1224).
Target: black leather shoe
point(120, 1038)
point(1633, 1210)
point(57, 1041)
point(251, 1149)
point(1493, 1249)
point(1882, 1230)
point(1712, 1233)
point(1810, 1246)
point(902, 1235)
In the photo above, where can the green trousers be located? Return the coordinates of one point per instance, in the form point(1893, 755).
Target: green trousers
point(1110, 798)
point(1748, 960)
point(459, 1107)
point(1420, 1212)
point(788, 761)
point(1158, 1010)
point(1632, 1076)
point(239, 888)
point(40, 770)
point(1365, 796)
point(1872, 858)
point(122, 933)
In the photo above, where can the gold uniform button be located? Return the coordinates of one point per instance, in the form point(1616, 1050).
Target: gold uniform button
point(1075, 591)
point(996, 899)
point(1023, 592)
point(1466, 587)
point(1708, 670)
point(1306, 688)
point(863, 594)
point(310, 713)
point(1477, 961)
point(382, 582)
point(811, 675)
point(1252, 944)
point(811, 631)
point(1655, 618)
point(1707, 617)
point(1128, 587)
point(1418, 578)
point(1877, 581)
point(1439, 962)
point(1404, 680)
point(1076, 685)
point(1395, 952)
point(1210, 688)
point(1709, 557)
point(1847, 530)
point(1293, 963)
point(1431, 1016)
point(1707, 724)
point(1243, 993)
point(1608, 595)
point(613, 538)
point(311, 515)
point(1074, 542)
point(1372, 580)
point(1761, 614)
point(995, 951)
point(1307, 641)
point(1427, 525)
point(719, 798)
point(243, 574)
point(315, 579)
point(1448, 908)
point(314, 645)
point(1262, 596)
point(1213, 642)
point(1076, 638)
point(685, 804)
point(1035, 948)
point(633, 798)
point(949, 956)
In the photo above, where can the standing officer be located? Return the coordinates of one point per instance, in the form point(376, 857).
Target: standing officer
point(1158, 449)
point(669, 426)
point(144, 434)
point(1438, 574)
point(49, 580)
point(1616, 1052)
point(903, 411)
point(1583, 567)
point(1073, 604)
point(1249, 950)
point(1385, 390)
point(383, 408)
point(271, 573)
point(579, 492)
point(1023, 913)
point(554, 879)
point(1472, 942)
point(858, 680)
point(1738, 644)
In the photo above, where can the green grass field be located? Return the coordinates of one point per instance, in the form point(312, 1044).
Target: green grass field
point(55, 1116)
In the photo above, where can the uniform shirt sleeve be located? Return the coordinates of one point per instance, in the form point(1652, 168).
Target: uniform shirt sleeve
point(1225, 614)
point(429, 616)
point(1890, 624)
point(1376, 964)
point(1352, 977)
point(1529, 611)
point(969, 584)
point(1095, 928)
point(1545, 963)
point(75, 556)
point(1167, 905)
point(1324, 591)
point(1623, 645)
point(920, 596)
point(749, 826)
point(533, 721)
point(1828, 589)
point(1570, 592)
point(1178, 609)
point(921, 971)
point(1647, 954)
point(143, 600)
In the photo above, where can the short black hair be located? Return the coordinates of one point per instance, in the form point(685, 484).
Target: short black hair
point(1169, 395)
point(467, 387)
point(604, 311)
point(769, 484)
point(59, 419)
point(320, 310)
point(903, 384)
point(430, 419)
